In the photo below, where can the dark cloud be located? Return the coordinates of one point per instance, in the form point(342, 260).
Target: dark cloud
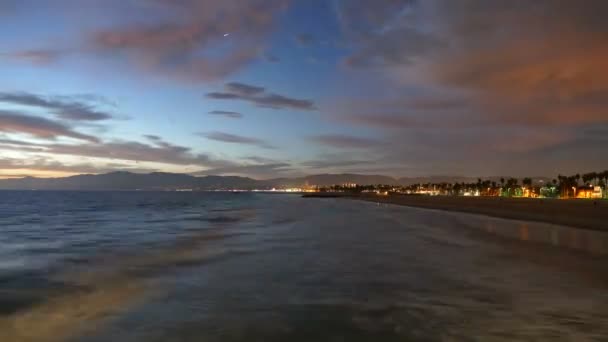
point(47, 164)
point(153, 138)
point(182, 29)
point(129, 150)
point(330, 164)
point(344, 141)
point(260, 97)
point(304, 39)
point(260, 160)
point(597, 132)
point(159, 151)
point(63, 107)
point(276, 101)
point(228, 114)
point(40, 56)
point(556, 74)
point(494, 87)
point(16, 122)
point(223, 96)
point(257, 170)
point(236, 139)
point(243, 89)
point(82, 114)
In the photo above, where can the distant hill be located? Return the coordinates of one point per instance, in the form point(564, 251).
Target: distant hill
point(160, 181)
point(129, 181)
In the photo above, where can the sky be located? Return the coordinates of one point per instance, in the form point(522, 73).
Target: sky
point(281, 88)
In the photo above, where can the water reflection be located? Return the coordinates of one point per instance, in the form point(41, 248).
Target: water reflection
point(269, 268)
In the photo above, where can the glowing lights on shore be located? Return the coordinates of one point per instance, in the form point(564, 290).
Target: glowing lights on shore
point(589, 192)
point(444, 189)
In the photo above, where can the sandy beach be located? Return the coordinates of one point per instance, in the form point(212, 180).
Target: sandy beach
point(587, 214)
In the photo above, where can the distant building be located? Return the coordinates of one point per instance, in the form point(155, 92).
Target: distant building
point(589, 192)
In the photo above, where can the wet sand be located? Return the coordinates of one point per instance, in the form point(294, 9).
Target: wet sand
point(577, 213)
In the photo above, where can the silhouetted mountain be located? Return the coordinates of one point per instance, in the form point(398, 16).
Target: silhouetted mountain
point(129, 181)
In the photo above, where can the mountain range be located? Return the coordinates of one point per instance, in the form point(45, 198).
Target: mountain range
point(122, 180)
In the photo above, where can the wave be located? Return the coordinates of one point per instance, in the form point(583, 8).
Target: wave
point(104, 288)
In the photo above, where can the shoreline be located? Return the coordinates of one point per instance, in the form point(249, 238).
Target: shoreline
point(575, 213)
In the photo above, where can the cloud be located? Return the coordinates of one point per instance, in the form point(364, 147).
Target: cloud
point(153, 138)
point(223, 96)
point(597, 132)
point(64, 107)
point(16, 122)
point(260, 160)
point(260, 97)
point(47, 164)
point(22, 146)
point(271, 58)
point(304, 39)
point(382, 51)
point(276, 101)
point(344, 141)
point(243, 89)
point(227, 114)
point(259, 170)
point(159, 151)
point(330, 164)
point(479, 86)
point(556, 74)
point(37, 56)
point(236, 139)
point(129, 150)
point(185, 39)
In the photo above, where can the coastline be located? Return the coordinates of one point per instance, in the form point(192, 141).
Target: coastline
point(575, 213)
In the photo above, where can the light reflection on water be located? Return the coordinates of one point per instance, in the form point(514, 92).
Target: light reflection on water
point(223, 267)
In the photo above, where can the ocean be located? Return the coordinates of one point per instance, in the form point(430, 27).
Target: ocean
point(213, 266)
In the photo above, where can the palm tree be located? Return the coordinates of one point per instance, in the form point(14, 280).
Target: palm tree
point(562, 184)
point(573, 183)
point(511, 185)
point(604, 177)
point(588, 177)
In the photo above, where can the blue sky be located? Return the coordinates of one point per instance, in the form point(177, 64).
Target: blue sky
point(396, 87)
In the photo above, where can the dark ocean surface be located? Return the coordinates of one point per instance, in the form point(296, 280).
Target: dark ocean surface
point(177, 266)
